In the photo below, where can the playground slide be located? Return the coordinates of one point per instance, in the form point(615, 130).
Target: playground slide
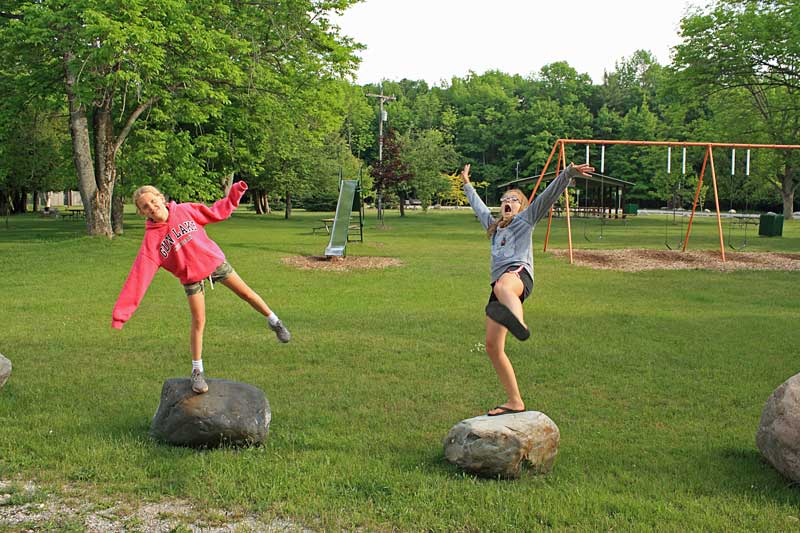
point(341, 223)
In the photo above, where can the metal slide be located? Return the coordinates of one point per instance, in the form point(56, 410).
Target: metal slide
point(341, 223)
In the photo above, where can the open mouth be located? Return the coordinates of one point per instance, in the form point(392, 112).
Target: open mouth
point(507, 209)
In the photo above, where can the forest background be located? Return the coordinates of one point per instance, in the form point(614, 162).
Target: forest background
point(102, 96)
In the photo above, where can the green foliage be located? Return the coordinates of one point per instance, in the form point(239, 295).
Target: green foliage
point(428, 156)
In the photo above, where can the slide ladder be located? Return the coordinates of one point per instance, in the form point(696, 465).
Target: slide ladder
point(341, 223)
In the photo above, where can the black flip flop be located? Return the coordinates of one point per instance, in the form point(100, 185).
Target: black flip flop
point(504, 411)
point(503, 316)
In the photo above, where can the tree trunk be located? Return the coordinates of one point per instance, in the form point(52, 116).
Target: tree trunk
point(402, 196)
point(5, 205)
point(787, 193)
point(117, 215)
point(35, 201)
point(227, 182)
point(95, 178)
point(105, 171)
point(265, 207)
point(257, 201)
point(288, 210)
point(19, 201)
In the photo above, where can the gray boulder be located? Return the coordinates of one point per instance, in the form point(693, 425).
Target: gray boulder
point(5, 370)
point(778, 435)
point(230, 413)
point(496, 446)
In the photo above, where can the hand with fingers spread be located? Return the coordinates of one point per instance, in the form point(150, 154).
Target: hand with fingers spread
point(583, 169)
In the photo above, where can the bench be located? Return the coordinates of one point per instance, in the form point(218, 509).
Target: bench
point(74, 212)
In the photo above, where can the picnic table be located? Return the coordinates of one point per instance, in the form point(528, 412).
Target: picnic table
point(74, 212)
point(327, 224)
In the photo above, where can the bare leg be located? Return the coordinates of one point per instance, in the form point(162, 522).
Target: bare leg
point(197, 305)
point(508, 290)
point(495, 349)
point(243, 291)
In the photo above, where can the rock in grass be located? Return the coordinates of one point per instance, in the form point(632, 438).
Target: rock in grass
point(496, 446)
point(230, 413)
point(5, 370)
point(778, 435)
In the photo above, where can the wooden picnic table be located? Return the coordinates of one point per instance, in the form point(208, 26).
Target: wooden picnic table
point(74, 212)
point(327, 224)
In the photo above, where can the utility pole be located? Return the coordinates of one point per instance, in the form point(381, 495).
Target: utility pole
point(381, 120)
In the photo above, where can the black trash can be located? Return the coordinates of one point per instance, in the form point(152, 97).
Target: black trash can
point(770, 225)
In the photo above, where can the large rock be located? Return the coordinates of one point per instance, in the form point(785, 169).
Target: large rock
point(778, 435)
point(5, 370)
point(495, 446)
point(230, 413)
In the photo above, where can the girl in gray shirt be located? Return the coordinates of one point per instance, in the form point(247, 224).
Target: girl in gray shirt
point(512, 270)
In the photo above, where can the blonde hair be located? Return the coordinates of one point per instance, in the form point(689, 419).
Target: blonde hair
point(503, 222)
point(144, 190)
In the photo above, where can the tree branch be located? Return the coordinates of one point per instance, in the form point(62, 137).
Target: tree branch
point(131, 120)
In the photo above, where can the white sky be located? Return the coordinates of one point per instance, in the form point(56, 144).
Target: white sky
point(434, 40)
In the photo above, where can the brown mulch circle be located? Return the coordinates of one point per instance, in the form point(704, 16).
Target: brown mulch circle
point(638, 260)
point(339, 264)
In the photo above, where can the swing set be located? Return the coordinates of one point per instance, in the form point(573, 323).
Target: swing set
point(708, 161)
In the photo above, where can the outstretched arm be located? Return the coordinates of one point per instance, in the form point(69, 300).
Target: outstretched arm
point(133, 291)
point(544, 201)
point(481, 211)
point(222, 208)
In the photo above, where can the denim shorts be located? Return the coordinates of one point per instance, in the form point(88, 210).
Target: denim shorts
point(220, 274)
point(527, 283)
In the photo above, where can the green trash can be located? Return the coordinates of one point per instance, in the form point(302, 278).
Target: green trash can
point(631, 209)
point(770, 225)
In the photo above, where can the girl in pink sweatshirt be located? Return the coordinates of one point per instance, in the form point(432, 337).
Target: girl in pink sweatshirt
point(174, 239)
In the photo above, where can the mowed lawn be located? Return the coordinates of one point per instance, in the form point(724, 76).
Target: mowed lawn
point(656, 379)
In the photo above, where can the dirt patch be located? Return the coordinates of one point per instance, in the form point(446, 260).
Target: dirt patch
point(23, 507)
point(340, 264)
point(638, 260)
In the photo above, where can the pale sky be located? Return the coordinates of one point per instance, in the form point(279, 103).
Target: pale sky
point(434, 40)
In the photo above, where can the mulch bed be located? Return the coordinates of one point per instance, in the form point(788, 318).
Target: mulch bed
point(340, 264)
point(638, 260)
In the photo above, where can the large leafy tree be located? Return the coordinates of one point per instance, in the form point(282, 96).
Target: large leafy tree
point(751, 47)
point(428, 156)
point(117, 61)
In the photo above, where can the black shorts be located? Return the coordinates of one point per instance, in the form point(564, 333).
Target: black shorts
point(527, 283)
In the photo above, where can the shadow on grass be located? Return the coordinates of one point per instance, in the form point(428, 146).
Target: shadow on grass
point(31, 227)
point(745, 473)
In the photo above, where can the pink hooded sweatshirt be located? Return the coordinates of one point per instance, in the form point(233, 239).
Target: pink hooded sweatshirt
point(180, 246)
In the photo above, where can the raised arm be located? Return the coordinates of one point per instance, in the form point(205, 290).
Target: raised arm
point(222, 208)
point(545, 200)
point(482, 212)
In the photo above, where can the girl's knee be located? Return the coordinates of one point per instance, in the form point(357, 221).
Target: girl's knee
point(493, 348)
point(198, 323)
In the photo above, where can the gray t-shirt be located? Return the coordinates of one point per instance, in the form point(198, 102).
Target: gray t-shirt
point(511, 246)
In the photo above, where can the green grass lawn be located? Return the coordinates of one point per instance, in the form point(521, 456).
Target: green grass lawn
point(656, 379)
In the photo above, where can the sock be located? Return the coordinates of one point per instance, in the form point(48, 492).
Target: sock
point(197, 365)
point(272, 319)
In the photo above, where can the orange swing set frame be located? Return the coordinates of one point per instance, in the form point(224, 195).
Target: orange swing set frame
point(561, 162)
